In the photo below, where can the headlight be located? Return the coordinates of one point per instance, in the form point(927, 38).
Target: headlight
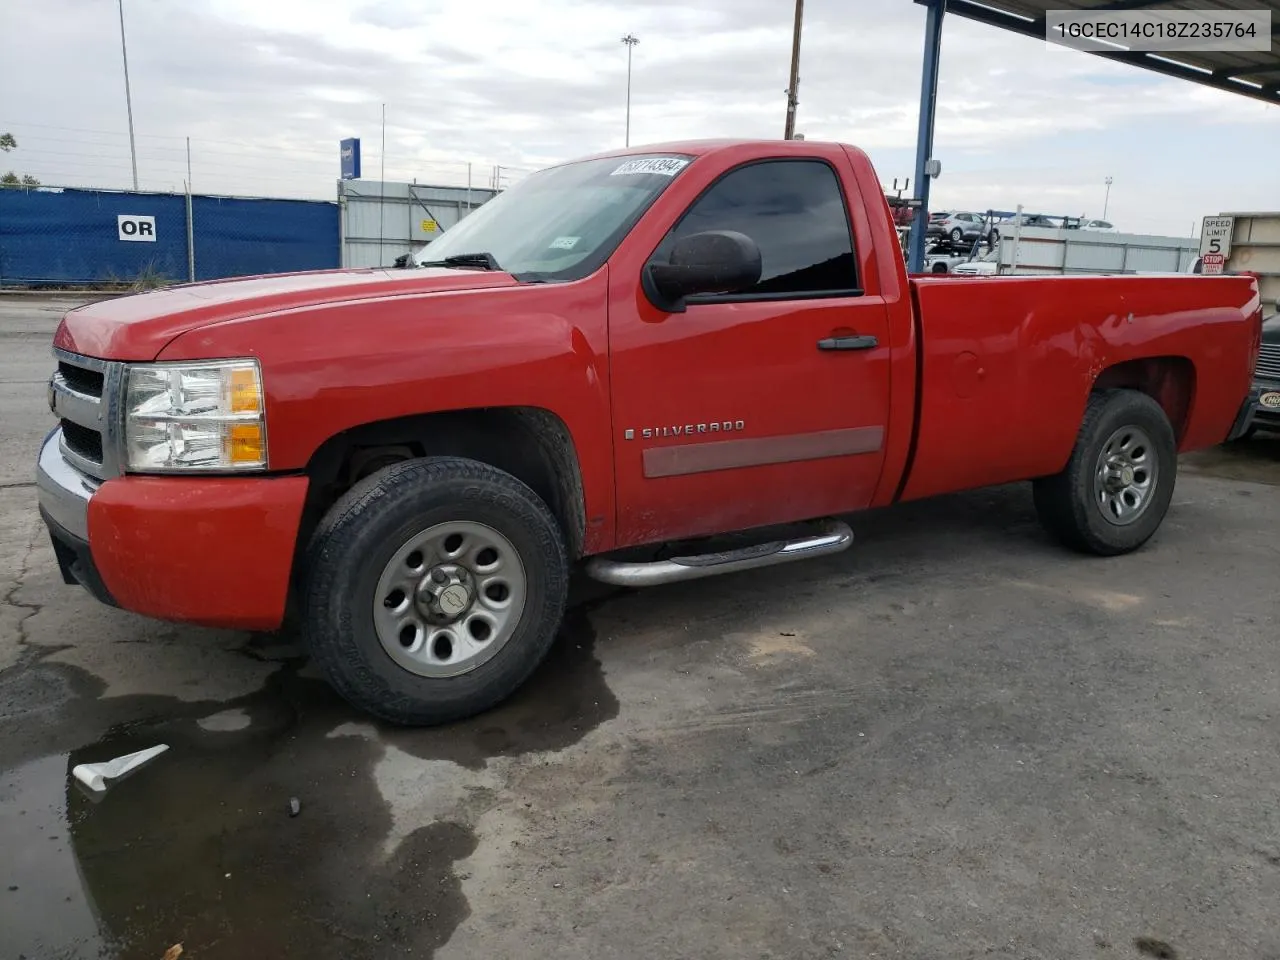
point(195, 416)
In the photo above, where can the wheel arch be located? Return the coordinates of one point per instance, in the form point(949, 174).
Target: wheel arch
point(1168, 380)
point(533, 444)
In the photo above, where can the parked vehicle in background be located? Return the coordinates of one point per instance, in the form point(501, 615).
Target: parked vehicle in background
point(943, 258)
point(986, 265)
point(659, 345)
point(1248, 243)
point(1266, 378)
point(1103, 225)
point(957, 227)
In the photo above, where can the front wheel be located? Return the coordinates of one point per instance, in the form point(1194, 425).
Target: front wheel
point(433, 589)
point(1117, 486)
point(957, 236)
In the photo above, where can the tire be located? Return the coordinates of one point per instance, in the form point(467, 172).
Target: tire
point(939, 267)
point(957, 236)
point(369, 536)
point(1093, 515)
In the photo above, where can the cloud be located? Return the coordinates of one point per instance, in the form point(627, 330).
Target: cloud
point(265, 91)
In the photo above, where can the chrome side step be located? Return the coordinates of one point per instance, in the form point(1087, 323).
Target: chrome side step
point(833, 537)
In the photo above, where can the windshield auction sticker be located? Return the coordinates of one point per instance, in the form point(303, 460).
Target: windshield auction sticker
point(663, 166)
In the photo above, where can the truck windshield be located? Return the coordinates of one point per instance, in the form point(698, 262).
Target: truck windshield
point(560, 223)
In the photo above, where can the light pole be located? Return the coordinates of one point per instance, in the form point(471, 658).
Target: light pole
point(1107, 199)
point(630, 41)
point(128, 100)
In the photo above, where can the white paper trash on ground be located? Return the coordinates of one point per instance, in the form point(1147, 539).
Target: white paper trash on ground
point(95, 775)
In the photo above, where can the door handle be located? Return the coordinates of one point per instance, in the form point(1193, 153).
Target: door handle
point(867, 342)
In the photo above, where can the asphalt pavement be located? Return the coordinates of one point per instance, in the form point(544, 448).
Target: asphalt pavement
point(955, 740)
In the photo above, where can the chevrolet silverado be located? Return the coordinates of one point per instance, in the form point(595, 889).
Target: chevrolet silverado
point(652, 346)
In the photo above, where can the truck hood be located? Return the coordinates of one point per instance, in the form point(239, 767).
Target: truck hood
point(138, 327)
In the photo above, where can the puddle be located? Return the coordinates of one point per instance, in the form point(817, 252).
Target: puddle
point(43, 909)
point(199, 848)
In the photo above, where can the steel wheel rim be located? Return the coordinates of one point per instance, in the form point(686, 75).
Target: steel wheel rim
point(1124, 481)
point(449, 598)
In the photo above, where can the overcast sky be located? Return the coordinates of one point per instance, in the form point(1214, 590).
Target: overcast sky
point(266, 88)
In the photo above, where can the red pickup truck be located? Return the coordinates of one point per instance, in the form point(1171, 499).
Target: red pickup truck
point(652, 346)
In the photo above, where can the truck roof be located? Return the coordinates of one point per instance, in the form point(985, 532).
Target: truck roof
point(707, 147)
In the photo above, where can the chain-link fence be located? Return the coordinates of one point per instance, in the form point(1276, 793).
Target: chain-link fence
point(91, 230)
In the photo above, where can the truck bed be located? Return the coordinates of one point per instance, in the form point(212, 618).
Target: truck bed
point(1006, 365)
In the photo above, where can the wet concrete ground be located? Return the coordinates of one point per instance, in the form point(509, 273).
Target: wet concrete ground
point(954, 740)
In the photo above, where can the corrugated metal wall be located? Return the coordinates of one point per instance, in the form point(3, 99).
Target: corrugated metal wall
point(1050, 250)
point(382, 221)
point(70, 236)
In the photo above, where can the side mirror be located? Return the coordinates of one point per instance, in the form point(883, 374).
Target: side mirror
point(714, 261)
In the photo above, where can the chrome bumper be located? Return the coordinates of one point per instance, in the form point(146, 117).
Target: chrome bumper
point(63, 490)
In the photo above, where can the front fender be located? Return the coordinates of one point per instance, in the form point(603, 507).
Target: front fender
point(329, 368)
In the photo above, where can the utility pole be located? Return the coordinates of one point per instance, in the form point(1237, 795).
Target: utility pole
point(128, 99)
point(630, 40)
point(1107, 199)
point(793, 91)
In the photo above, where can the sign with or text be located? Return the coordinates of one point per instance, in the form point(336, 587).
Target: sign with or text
point(1215, 236)
point(130, 226)
point(349, 156)
point(430, 226)
point(1212, 263)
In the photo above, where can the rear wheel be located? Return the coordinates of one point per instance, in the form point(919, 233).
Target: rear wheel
point(433, 589)
point(957, 236)
point(1117, 486)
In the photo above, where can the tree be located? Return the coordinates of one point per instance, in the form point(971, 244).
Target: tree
point(11, 179)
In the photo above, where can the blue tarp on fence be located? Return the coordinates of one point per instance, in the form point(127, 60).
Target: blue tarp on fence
point(73, 236)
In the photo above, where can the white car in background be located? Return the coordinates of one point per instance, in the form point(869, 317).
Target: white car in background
point(984, 266)
point(944, 261)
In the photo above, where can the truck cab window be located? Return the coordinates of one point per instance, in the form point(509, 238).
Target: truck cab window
point(795, 211)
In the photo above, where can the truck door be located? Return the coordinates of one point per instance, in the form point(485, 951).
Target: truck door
point(764, 406)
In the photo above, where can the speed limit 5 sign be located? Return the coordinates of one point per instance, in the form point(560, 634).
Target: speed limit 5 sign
point(1215, 236)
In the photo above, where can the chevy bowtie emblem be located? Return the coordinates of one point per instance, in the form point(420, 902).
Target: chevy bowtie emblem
point(685, 429)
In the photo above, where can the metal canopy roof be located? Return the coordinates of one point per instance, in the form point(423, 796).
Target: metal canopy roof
point(1252, 73)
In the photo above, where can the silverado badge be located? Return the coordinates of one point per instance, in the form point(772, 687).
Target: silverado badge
point(685, 429)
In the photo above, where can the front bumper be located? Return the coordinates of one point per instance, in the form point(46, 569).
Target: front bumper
point(216, 551)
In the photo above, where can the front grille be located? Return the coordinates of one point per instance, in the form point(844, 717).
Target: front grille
point(81, 379)
point(82, 441)
point(83, 390)
point(1269, 361)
